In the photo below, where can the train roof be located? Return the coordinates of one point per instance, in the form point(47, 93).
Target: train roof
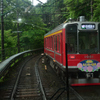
point(63, 25)
point(56, 29)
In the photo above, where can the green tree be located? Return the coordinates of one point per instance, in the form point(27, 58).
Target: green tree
point(96, 10)
point(24, 10)
point(77, 7)
point(10, 39)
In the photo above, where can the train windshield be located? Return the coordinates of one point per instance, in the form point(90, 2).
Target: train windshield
point(87, 42)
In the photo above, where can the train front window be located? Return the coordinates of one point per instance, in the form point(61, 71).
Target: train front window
point(71, 40)
point(87, 42)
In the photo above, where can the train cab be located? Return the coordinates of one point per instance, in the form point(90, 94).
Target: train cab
point(83, 48)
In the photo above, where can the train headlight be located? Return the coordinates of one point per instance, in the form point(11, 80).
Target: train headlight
point(72, 57)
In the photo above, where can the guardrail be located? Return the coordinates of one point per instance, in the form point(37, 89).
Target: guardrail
point(11, 61)
point(13, 50)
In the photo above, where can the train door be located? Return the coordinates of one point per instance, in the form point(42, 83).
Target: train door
point(71, 38)
point(54, 46)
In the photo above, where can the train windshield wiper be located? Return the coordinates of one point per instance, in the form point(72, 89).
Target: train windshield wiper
point(88, 51)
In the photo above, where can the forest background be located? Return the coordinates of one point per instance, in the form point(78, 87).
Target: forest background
point(38, 20)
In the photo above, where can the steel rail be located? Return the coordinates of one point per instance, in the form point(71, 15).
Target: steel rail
point(17, 80)
point(39, 79)
point(7, 61)
point(77, 94)
point(74, 92)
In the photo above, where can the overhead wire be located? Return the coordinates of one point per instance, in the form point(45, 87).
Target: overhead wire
point(14, 7)
point(40, 2)
point(18, 6)
point(44, 5)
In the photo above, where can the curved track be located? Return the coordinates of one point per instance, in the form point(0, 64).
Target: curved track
point(37, 82)
point(26, 85)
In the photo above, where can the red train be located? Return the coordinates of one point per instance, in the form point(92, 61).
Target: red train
point(83, 48)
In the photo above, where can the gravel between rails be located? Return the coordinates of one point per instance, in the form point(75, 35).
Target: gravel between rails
point(51, 83)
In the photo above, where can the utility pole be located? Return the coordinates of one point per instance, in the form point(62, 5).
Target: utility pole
point(91, 10)
point(18, 43)
point(2, 33)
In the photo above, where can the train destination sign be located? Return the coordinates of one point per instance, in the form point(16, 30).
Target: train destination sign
point(88, 26)
point(89, 65)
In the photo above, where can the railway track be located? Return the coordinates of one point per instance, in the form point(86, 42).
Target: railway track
point(27, 84)
point(35, 82)
point(81, 92)
point(89, 92)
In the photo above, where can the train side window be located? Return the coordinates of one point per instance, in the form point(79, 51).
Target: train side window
point(45, 42)
point(59, 42)
point(51, 42)
point(56, 43)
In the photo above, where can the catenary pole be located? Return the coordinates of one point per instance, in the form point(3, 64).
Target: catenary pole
point(2, 33)
point(67, 76)
point(18, 41)
point(91, 9)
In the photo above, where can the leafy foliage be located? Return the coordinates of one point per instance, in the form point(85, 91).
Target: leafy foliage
point(39, 19)
point(96, 7)
point(10, 39)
